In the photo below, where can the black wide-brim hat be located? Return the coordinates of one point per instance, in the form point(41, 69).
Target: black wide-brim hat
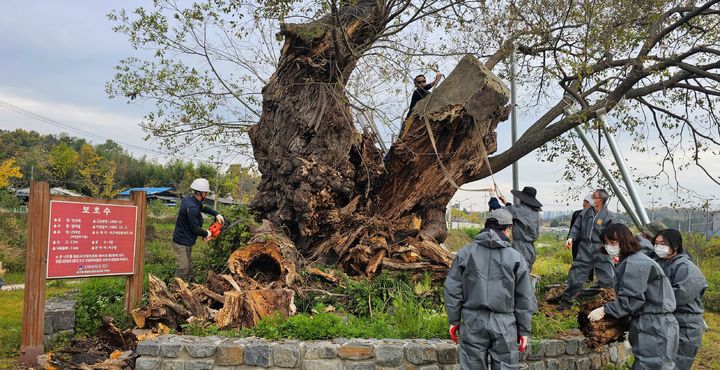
point(527, 195)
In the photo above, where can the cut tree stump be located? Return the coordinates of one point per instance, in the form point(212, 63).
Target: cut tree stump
point(246, 308)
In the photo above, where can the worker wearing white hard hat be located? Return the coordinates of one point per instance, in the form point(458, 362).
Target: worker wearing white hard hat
point(188, 226)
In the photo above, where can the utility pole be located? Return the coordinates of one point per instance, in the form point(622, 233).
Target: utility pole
point(513, 120)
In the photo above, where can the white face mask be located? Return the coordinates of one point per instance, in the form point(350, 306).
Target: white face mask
point(612, 250)
point(662, 251)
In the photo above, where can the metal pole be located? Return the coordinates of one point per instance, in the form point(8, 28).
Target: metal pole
point(513, 120)
point(608, 177)
point(629, 183)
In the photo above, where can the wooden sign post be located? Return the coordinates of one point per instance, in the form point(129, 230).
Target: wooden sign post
point(77, 237)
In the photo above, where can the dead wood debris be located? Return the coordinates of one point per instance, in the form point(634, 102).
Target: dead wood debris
point(605, 331)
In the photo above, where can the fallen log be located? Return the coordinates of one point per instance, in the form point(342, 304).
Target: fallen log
point(605, 331)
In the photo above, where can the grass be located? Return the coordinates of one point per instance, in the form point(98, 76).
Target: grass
point(709, 355)
point(457, 239)
point(14, 278)
point(11, 306)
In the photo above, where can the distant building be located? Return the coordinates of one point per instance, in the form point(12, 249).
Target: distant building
point(24, 193)
point(166, 195)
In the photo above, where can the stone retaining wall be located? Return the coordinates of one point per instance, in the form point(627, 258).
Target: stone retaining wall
point(175, 352)
point(59, 319)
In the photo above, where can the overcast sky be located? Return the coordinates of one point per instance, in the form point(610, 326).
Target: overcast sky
point(57, 57)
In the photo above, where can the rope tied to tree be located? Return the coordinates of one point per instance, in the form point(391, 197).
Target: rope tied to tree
point(445, 171)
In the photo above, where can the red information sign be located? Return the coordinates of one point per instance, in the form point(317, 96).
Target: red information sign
point(90, 239)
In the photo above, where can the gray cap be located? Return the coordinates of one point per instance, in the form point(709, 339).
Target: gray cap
point(503, 216)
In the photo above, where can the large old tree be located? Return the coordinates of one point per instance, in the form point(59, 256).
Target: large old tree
point(298, 77)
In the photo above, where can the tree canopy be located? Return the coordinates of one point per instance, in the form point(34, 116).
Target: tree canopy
point(651, 65)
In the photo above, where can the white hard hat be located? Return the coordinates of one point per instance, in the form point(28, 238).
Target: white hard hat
point(200, 185)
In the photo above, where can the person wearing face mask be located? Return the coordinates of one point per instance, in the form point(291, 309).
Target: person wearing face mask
point(588, 228)
point(647, 234)
point(488, 298)
point(689, 285)
point(188, 226)
point(644, 293)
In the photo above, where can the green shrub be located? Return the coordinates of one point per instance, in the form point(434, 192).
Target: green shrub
point(100, 297)
point(471, 231)
point(8, 200)
point(13, 239)
point(711, 300)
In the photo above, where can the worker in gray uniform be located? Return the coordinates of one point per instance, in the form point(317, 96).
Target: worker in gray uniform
point(689, 286)
point(587, 228)
point(488, 296)
point(645, 295)
point(526, 223)
point(647, 234)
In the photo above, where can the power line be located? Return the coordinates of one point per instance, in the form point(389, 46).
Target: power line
point(91, 135)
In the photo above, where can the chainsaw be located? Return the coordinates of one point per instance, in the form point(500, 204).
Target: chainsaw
point(217, 228)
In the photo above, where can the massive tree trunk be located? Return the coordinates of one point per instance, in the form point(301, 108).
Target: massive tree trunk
point(329, 188)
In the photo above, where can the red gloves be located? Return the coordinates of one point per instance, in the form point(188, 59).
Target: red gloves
point(522, 341)
point(453, 333)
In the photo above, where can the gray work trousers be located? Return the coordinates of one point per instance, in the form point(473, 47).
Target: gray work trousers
point(484, 333)
point(183, 261)
point(654, 340)
point(580, 270)
point(527, 249)
point(692, 328)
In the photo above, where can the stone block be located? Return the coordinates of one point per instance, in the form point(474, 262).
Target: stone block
point(258, 354)
point(624, 351)
point(583, 348)
point(451, 367)
point(320, 350)
point(148, 348)
point(229, 353)
point(605, 358)
point(199, 364)
point(171, 348)
point(356, 351)
point(48, 324)
point(447, 353)
point(147, 363)
point(389, 355)
point(201, 347)
point(173, 365)
point(420, 354)
point(582, 363)
point(431, 367)
point(64, 320)
point(535, 365)
point(572, 345)
point(595, 361)
point(359, 366)
point(613, 352)
point(567, 363)
point(554, 348)
point(288, 354)
point(552, 364)
point(329, 364)
point(535, 350)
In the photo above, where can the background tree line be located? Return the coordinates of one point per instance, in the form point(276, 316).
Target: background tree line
point(106, 169)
